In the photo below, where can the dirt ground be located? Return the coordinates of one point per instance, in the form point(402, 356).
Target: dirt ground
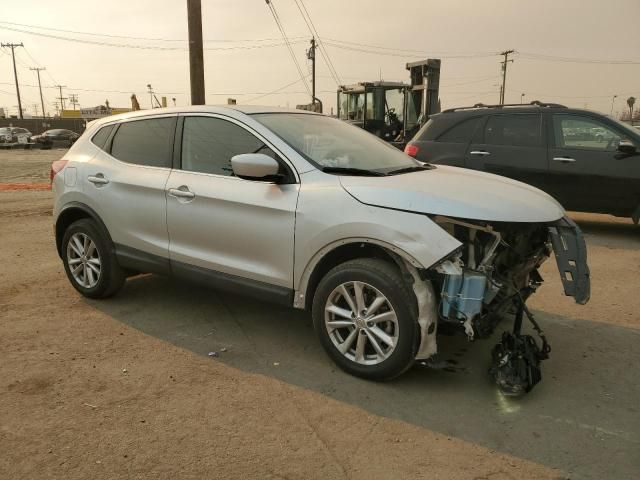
point(124, 388)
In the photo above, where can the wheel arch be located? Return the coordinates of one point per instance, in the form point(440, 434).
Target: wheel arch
point(73, 212)
point(339, 252)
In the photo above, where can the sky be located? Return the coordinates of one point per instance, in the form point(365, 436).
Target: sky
point(246, 58)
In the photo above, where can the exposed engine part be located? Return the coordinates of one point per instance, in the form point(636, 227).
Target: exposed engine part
point(515, 361)
point(427, 313)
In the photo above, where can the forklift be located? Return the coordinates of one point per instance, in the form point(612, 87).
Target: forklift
point(393, 111)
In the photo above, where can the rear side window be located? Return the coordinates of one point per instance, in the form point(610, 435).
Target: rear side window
point(209, 143)
point(462, 132)
point(100, 138)
point(145, 142)
point(519, 130)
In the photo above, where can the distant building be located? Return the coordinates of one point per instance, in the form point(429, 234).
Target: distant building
point(93, 112)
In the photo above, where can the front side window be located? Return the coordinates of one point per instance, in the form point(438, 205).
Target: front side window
point(575, 131)
point(462, 132)
point(209, 143)
point(145, 142)
point(329, 142)
point(517, 130)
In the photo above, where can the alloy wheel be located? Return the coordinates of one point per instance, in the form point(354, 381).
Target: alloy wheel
point(361, 323)
point(83, 260)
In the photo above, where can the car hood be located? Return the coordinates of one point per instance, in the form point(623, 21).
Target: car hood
point(456, 192)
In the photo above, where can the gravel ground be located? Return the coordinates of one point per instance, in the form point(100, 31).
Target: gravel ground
point(124, 388)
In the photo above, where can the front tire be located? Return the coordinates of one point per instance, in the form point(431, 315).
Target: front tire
point(89, 260)
point(366, 318)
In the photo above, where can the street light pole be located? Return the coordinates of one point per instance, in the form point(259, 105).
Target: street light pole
point(613, 99)
point(521, 98)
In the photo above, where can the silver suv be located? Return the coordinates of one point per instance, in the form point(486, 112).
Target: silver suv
point(304, 210)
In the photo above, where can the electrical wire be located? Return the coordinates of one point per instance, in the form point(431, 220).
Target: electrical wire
point(404, 55)
point(404, 50)
point(155, 39)
point(277, 90)
point(272, 8)
point(314, 33)
point(553, 58)
point(140, 47)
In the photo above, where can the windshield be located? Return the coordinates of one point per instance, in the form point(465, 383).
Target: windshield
point(331, 143)
point(625, 126)
point(4, 131)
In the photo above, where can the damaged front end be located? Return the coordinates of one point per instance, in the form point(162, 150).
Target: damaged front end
point(491, 277)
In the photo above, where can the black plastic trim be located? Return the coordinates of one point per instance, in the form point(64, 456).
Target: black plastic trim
point(90, 212)
point(134, 259)
point(570, 250)
point(234, 284)
point(143, 262)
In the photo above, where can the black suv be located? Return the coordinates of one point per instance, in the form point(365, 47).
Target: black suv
point(588, 161)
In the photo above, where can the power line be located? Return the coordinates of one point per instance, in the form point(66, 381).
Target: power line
point(272, 8)
point(403, 50)
point(155, 39)
point(140, 47)
point(404, 55)
point(553, 58)
point(314, 33)
point(277, 90)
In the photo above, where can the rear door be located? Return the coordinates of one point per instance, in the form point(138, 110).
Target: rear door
point(450, 146)
point(126, 180)
point(224, 224)
point(512, 145)
point(587, 172)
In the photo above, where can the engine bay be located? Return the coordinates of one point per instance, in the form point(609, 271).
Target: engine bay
point(491, 276)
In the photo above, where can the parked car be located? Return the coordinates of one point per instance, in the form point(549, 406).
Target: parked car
point(307, 211)
point(56, 137)
point(589, 162)
point(15, 137)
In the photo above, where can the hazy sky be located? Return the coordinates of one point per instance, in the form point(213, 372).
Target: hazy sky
point(472, 31)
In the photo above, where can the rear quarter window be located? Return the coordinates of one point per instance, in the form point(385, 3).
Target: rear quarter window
point(461, 132)
point(101, 136)
point(146, 142)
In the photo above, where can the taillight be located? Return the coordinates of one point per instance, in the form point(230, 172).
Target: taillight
point(411, 149)
point(57, 167)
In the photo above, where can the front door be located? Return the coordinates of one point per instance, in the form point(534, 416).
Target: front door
point(587, 172)
point(512, 145)
point(220, 223)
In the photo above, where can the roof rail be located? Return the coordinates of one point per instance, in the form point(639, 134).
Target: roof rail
point(535, 103)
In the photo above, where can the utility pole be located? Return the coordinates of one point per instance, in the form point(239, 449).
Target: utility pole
point(506, 60)
point(311, 55)
point(196, 59)
point(61, 98)
point(35, 109)
point(12, 46)
point(37, 70)
point(73, 99)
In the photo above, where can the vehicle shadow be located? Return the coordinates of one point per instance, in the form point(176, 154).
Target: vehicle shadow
point(576, 419)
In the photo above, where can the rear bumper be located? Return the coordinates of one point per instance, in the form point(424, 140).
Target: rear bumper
point(570, 251)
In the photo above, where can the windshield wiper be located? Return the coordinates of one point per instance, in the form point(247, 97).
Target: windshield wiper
point(413, 168)
point(354, 171)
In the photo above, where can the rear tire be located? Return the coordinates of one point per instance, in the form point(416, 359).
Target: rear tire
point(89, 260)
point(380, 341)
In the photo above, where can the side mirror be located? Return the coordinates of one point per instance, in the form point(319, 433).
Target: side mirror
point(255, 166)
point(627, 147)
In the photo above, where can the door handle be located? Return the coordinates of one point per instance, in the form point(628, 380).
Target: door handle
point(181, 192)
point(564, 159)
point(482, 153)
point(98, 179)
